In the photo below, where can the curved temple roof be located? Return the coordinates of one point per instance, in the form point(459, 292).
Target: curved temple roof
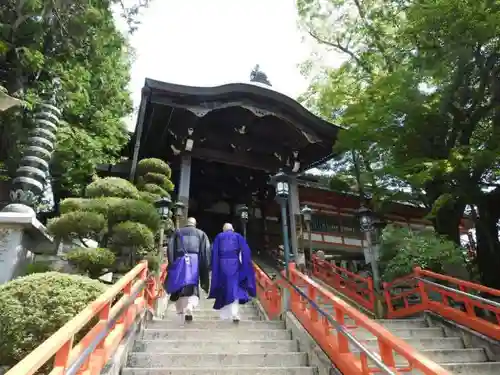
point(270, 122)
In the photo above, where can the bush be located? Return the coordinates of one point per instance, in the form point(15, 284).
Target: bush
point(153, 166)
point(98, 205)
point(91, 261)
point(156, 179)
point(78, 224)
point(148, 197)
point(153, 263)
point(111, 187)
point(132, 234)
point(33, 307)
point(155, 189)
point(401, 250)
point(102, 205)
point(135, 210)
point(72, 204)
point(38, 267)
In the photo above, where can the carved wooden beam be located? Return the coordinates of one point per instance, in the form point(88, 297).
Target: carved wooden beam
point(259, 162)
point(242, 141)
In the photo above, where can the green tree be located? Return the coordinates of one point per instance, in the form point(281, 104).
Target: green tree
point(118, 216)
point(401, 250)
point(418, 94)
point(78, 43)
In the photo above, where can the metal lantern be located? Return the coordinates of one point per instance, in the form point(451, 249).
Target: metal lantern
point(179, 208)
point(163, 205)
point(306, 213)
point(282, 185)
point(244, 213)
point(365, 216)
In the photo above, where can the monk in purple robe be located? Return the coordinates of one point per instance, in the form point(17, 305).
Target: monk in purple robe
point(233, 277)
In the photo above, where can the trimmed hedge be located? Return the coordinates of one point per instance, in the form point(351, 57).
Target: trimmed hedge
point(33, 307)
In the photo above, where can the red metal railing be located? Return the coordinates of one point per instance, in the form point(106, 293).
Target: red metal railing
point(460, 301)
point(358, 288)
point(61, 344)
point(268, 293)
point(155, 289)
point(337, 342)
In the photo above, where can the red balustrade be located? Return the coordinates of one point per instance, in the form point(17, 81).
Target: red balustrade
point(460, 301)
point(268, 293)
point(337, 345)
point(356, 287)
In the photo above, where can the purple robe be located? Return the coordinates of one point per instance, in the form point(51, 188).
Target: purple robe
point(232, 280)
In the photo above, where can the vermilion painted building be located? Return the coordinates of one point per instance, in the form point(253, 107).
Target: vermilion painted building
point(335, 227)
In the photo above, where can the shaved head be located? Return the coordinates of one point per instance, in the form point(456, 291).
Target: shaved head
point(191, 222)
point(227, 226)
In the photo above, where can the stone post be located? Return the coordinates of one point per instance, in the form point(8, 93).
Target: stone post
point(21, 237)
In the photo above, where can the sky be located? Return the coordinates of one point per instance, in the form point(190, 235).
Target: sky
point(209, 43)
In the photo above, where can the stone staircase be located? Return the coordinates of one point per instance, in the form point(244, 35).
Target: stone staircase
point(209, 346)
point(433, 342)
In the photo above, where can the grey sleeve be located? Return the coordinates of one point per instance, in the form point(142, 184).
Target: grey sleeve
point(208, 250)
point(204, 265)
point(171, 248)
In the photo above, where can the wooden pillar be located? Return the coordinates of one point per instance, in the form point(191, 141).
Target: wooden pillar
point(184, 183)
point(294, 215)
point(264, 246)
point(138, 135)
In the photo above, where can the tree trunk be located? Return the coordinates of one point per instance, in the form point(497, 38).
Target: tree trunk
point(488, 245)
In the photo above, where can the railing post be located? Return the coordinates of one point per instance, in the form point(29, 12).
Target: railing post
point(371, 292)
point(277, 299)
point(312, 294)
point(424, 298)
point(144, 276)
point(341, 339)
point(388, 300)
point(127, 291)
point(294, 297)
point(386, 353)
point(61, 360)
point(469, 309)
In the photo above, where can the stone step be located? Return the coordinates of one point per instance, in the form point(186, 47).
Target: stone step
point(452, 355)
point(221, 371)
point(423, 343)
point(485, 368)
point(249, 307)
point(229, 333)
point(396, 323)
point(217, 324)
point(211, 315)
point(207, 346)
point(362, 334)
point(388, 323)
point(403, 323)
point(180, 360)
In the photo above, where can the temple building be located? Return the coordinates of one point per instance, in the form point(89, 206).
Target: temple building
point(224, 143)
